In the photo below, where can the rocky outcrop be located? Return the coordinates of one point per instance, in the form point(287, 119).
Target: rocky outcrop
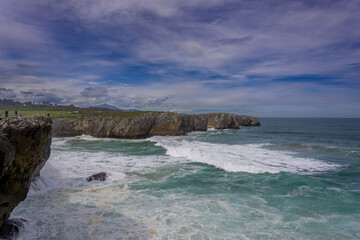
point(147, 124)
point(24, 149)
point(97, 177)
point(11, 227)
point(230, 120)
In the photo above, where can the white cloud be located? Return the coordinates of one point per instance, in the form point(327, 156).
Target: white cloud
point(178, 44)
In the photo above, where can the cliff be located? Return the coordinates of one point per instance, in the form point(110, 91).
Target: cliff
point(24, 149)
point(147, 124)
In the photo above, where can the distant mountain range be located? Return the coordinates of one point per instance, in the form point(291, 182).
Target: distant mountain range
point(107, 106)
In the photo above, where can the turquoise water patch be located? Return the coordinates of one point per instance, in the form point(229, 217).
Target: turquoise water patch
point(90, 144)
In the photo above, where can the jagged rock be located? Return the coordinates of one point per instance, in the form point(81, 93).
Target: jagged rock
point(222, 120)
point(11, 227)
point(24, 149)
point(148, 124)
point(7, 154)
point(97, 177)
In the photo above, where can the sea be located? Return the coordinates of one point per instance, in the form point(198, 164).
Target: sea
point(287, 179)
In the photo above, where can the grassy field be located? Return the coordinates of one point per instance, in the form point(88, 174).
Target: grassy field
point(32, 112)
point(80, 112)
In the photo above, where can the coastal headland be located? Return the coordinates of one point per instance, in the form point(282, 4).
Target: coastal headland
point(147, 124)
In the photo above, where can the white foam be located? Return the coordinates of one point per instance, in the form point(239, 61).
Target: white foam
point(91, 138)
point(70, 168)
point(41, 184)
point(64, 142)
point(251, 158)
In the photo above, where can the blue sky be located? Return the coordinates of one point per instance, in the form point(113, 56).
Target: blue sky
point(264, 58)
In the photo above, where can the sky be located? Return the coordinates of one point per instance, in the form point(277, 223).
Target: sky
point(257, 57)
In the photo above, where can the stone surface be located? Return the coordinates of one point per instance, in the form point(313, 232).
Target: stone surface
point(24, 149)
point(97, 177)
point(148, 124)
point(7, 154)
point(11, 227)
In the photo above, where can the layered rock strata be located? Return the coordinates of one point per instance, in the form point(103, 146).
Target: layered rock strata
point(147, 124)
point(24, 149)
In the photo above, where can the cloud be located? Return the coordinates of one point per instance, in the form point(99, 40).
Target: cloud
point(27, 93)
point(21, 37)
point(203, 53)
point(234, 41)
point(355, 65)
point(25, 68)
point(42, 95)
point(94, 92)
point(152, 102)
point(7, 93)
point(219, 36)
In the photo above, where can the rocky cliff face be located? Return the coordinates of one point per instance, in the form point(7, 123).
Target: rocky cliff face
point(148, 124)
point(24, 149)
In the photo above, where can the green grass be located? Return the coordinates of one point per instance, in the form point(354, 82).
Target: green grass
point(82, 112)
point(31, 112)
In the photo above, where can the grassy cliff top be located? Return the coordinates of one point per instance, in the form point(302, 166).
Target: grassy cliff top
point(78, 112)
point(56, 111)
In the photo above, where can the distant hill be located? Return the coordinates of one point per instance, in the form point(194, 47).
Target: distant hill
point(108, 107)
point(113, 108)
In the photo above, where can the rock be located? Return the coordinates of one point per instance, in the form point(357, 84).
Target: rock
point(147, 124)
point(24, 149)
point(7, 154)
point(222, 120)
point(11, 227)
point(97, 177)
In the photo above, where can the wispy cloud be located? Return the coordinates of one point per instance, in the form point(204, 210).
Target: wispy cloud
point(183, 54)
point(7, 93)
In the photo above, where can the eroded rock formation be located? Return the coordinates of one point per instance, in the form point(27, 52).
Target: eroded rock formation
point(148, 124)
point(24, 149)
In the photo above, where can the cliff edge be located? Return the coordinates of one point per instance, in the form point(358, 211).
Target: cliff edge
point(147, 124)
point(24, 149)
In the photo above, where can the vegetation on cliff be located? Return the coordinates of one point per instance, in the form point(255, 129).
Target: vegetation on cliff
point(55, 110)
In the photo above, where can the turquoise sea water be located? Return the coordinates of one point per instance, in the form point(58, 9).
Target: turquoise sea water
point(287, 179)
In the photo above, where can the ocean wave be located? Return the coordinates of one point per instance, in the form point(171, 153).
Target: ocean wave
point(91, 138)
point(41, 184)
point(348, 151)
point(250, 158)
point(69, 168)
point(61, 141)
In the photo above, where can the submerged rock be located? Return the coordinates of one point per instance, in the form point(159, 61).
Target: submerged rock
point(97, 177)
point(11, 227)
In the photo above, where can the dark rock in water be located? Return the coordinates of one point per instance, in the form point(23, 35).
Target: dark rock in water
point(97, 177)
point(11, 228)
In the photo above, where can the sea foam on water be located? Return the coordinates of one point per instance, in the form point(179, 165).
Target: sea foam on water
point(250, 158)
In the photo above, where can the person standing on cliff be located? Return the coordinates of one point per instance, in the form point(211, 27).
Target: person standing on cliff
point(6, 113)
point(15, 113)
